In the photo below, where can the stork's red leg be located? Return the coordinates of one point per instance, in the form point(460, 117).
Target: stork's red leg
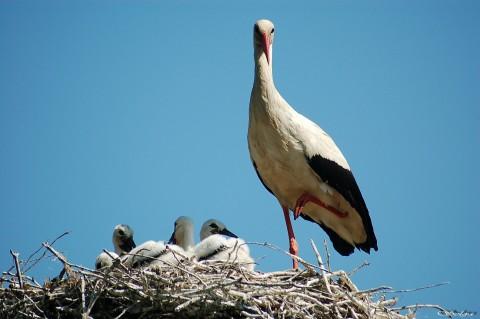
point(291, 236)
point(306, 197)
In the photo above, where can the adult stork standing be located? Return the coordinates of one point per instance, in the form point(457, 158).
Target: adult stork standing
point(300, 164)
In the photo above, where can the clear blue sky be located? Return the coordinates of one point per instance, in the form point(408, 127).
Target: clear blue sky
point(136, 112)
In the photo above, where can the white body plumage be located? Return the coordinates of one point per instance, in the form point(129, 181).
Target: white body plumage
point(294, 157)
point(105, 260)
point(219, 244)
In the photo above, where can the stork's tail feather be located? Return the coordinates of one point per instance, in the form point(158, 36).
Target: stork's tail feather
point(343, 247)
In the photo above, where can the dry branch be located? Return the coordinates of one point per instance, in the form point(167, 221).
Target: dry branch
point(17, 267)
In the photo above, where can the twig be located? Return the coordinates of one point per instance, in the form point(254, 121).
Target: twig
point(17, 266)
point(300, 260)
point(420, 288)
point(418, 306)
point(82, 289)
point(354, 270)
point(374, 290)
point(390, 290)
point(43, 255)
point(327, 252)
point(66, 264)
point(36, 307)
point(124, 311)
point(116, 260)
point(322, 272)
point(91, 304)
point(354, 314)
point(187, 303)
point(320, 264)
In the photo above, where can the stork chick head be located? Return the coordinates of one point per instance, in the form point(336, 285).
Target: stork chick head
point(182, 232)
point(123, 239)
point(212, 227)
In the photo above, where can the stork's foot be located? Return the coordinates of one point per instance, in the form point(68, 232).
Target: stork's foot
point(301, 202)
point(306, 197)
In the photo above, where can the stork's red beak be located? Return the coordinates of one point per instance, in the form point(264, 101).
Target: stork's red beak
point(266, 47)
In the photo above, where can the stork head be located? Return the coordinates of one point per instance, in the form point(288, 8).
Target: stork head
point(182, 232)
point(263, 33)
point(105, 260)
point(212, 227)
point(123, 239)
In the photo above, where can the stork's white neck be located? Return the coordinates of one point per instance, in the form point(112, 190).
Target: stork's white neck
point(116, 247)
point(263, 70)
point(185, 238)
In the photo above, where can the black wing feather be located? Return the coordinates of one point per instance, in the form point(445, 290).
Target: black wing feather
point(340, 245)
point(343, 181)
point(144, 260)
point(213, 253)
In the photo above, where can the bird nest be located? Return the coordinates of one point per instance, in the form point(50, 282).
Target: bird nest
point(191, 290)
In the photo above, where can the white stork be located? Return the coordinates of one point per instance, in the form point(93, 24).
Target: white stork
point(300, 164)
point(159, 253)
point(105, 260)
point(183, 232)
point(123, 239)
point(218, 243)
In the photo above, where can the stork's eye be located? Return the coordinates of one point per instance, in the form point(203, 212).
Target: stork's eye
point(257, 29)
point(214, 228)
point(273, 30)
point(121, 232)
